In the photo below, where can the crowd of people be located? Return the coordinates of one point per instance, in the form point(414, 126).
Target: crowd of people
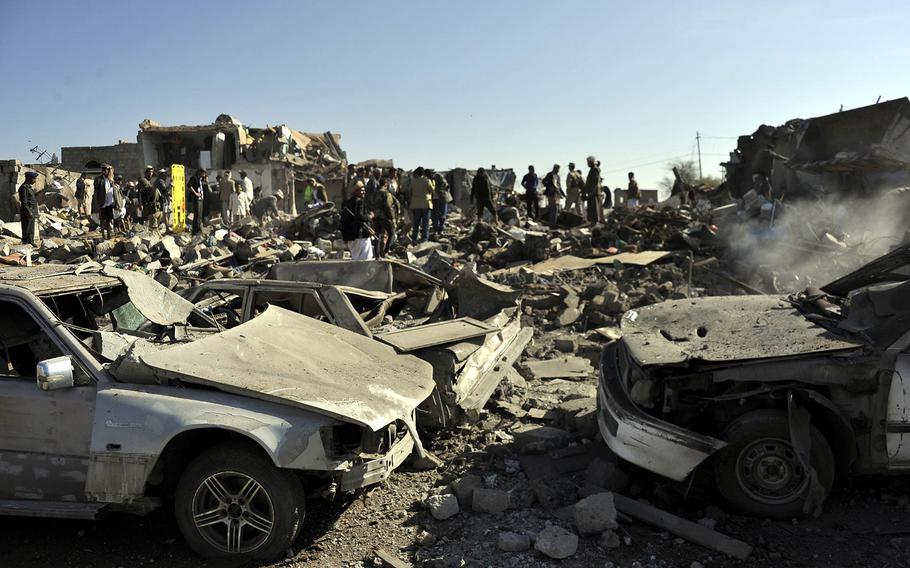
point(375, 203)
point(119, 203)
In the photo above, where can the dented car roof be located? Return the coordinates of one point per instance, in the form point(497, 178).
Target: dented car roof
point(285, 357)
point(723, 329)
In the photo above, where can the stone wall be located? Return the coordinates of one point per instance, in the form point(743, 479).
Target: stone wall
point(125, 157)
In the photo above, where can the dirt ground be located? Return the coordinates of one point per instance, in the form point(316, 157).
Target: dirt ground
point(865, 523)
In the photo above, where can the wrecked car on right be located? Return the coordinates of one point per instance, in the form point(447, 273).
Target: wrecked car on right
point(776, 397)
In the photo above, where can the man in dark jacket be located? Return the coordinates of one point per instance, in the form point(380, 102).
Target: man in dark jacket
point(482, 195)
point(28, 208)
point(164, 196)
point(355, 224)
point(552, 188)
point(197, 187)
point(592, 192)
point(386, 211)
point(81, 194)
point(530, 182)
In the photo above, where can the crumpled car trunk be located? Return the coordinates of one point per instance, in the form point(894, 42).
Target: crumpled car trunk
point(288, 358)
point(723, 329)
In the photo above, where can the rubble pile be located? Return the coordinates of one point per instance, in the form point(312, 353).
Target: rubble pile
point(514, 431)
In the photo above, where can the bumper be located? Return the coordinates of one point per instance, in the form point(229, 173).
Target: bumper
point(375, 471)
point(639, 438)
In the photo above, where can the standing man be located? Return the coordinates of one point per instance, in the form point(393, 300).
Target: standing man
point(164, 195)
point(482, 195)
point(530, 182)
point(145, 191)
point(574, 184)
point(592, 192)
point(197, 187)
point(441, 199)
point(355, 225)
point(226, 188)
point(633, 194)
point(421, 205)
point(552, 187)
point(80, 194)
point(28, 209)
point(386, 217)
point(246, 185)
point(103, 198)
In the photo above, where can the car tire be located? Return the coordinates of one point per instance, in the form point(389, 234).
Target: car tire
point(234, 502)
point(758, 472)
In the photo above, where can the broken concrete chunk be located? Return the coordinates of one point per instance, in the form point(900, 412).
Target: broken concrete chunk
point(442, 507)
point(566, 367)
point(464, 489)
point(513, 542)
point(556, 542)
point(490, 500)
point(566, 343)
point(595, 514)
point(532, 438)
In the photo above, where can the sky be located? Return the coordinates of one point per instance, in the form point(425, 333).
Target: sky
point(443, 84)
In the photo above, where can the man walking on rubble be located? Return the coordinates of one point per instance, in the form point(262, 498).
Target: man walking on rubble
point(633, 193)
point(150, 199)
point(386, 213)
point(422, 189)
point(226, 189)
point(247, 186)
point(355, 225)
point(530, 182)
point(28, 209)
point(103, 198)
point(164, 195)
point(574, 185)
point(441, 199)
point(197, 187)
point(482, 195)
point(552, 188)
point(81, 191)
point(592, 191)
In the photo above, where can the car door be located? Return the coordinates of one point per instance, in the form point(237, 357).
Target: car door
point(45, 435)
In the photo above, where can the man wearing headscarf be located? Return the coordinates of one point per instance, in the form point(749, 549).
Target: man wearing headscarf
point(592, 191)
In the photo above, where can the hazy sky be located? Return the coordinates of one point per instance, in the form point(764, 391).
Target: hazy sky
point(441, 84)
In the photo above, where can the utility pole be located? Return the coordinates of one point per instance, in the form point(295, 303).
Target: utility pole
point(698, 145)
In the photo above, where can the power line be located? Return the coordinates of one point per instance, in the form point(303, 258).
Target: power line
point(627, 168)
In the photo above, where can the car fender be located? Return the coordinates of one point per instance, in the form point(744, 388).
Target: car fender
point(134, 423)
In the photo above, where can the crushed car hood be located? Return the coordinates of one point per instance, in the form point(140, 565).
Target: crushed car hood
point(285, 357)
point(723, 328)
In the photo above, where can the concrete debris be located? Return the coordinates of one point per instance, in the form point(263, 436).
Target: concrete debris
point(442, 507)
point(556, 542)
point(513, 542)
point(595, 514)
point(489, 500)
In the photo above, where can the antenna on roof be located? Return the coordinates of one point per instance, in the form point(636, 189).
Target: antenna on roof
point(878, 99)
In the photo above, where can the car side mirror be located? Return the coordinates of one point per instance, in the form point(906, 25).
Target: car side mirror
point(55, 374)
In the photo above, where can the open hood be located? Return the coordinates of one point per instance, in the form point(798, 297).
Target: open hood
point(891, 267)
point(288, 358)
point(723, 329)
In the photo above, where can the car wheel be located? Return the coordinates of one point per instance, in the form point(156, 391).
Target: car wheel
point(760, 474)
point(232, 502)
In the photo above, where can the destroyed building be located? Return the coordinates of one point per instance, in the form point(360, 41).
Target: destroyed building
point(124, 156)
point(858, 151)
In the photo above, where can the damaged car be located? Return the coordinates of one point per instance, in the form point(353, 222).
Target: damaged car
point(116, 394)
point(470, 356)
point(776, 397)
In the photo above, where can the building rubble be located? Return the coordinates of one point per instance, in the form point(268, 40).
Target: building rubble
point(513, 318)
